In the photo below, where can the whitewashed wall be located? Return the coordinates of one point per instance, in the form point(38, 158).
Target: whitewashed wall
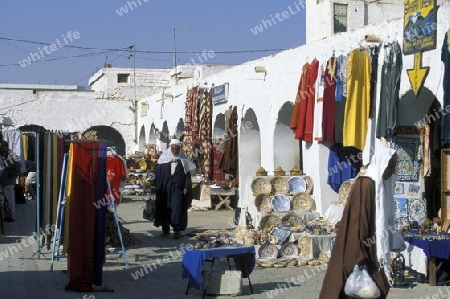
point(265, 95)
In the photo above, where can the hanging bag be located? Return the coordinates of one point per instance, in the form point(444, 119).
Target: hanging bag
point(360, 285)
point(149, 209)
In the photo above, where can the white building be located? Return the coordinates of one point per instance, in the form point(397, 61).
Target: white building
point(264, 99)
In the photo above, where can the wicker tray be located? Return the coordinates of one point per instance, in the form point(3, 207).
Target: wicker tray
point(302, 202)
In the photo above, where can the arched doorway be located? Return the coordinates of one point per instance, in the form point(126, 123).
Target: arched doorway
point(249, 145)
point(286, 152)
point(142, 146)
point(108, 134)
point(179, 129)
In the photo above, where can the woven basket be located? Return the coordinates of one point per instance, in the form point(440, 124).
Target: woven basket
point(301, 202)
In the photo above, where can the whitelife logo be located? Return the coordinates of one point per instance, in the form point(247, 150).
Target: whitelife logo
point(48, 49)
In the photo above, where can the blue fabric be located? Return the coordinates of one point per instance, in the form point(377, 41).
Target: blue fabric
point(193, 261)
point(343, 164)
point(432, 248)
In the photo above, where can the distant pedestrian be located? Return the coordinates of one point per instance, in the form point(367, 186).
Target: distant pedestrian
point(9, 171)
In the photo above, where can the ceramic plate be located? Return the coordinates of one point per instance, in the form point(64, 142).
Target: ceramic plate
point(268, 221)
point(263, 203)
point(268, 251)
point(297, 184)
point(301, 202)
point(292, 219)
point(261, 186)
point(289, 249)
point(309, 184)
point(281, 202)
point(280, 185)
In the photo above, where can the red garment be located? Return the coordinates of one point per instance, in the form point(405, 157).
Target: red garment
point(217, 173)
point(300, 101)
point(329, 96)
point(306, 122)
point(83, 190)
point(116, 174)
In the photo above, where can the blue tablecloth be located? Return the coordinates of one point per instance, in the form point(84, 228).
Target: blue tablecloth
point(432, 248)
point(244, 258)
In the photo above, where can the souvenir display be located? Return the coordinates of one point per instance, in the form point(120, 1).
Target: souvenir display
point(309, 184)
point(261, 186)
point(301, 202)
point(261, 172)
point(292, 219)
point(263, 203)
point(268, 251)
point(417, 210)
point(281, 202)
point(279, 172)
point(289, 250)
point(142, 165)
point(268, 221)
point(304, 244)
point(295, 171)
point(296, 184)
point(280, 185)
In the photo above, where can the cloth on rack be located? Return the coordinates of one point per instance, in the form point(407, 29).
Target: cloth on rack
point(357, 104)
point(306, 118)
point(84, 177)
point(300, 96)
point(100, 216)
point(319, 106)
point(374, 53)
point(14, 139)
point(190, 129)
point(445, 58)
point(329, 100)
point(227, 115)
point(389, 95)
point(229, 162)
point(343, 164)
point(205, 131)
point(117, 174)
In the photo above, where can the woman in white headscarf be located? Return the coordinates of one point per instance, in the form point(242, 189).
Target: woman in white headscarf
point(364, 230)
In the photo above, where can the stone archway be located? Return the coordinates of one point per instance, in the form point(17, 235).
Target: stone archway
point(286, 153)
point(108, 134)
point(249, 145)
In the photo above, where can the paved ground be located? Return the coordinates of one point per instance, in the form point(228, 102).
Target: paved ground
point(24, 276)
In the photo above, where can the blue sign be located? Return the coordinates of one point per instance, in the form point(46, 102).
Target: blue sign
point(220, 94)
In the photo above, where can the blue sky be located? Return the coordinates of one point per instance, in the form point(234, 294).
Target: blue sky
point(207, 25)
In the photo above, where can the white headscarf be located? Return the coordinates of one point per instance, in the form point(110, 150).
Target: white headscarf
point(384, 191)
point(167, 157)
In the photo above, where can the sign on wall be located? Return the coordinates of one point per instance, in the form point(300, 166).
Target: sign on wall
point(420, 26)
point(220, 94)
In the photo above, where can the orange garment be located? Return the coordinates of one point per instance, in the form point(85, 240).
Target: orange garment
point(299, 97)
point(306, 117)
point(301, 100)
point(357, 105)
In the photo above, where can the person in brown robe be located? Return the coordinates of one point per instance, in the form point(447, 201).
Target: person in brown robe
point(357, 227)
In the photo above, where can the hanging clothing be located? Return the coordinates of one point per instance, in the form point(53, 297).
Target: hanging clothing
point(359, 224)
point(389, 95)
point(306, 117)
point(318, 110)
point(329, 95)
point(229, 162)
point(188, 138)
point(341, 78)
point(301, 95)
point(357, 104)
point(84, 193)
point(15, 144)
point(445, 58)
point(343, 164)
point(205, 131)
point(117, 174)
point(217, 173)
point(374, 51)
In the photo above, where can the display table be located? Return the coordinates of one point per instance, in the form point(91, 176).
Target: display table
point(319, 243)
point(224, 196)
point(193, 260)
point(433, 248)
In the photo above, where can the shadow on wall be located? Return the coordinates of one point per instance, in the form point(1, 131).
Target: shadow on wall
point(110, 135)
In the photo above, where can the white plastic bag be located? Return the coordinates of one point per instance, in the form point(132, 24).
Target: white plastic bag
point(360, 285)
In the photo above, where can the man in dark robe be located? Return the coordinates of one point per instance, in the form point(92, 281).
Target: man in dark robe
point(358, 229)
point(173, 188)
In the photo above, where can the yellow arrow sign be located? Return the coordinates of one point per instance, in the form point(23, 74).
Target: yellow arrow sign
point(417, 74)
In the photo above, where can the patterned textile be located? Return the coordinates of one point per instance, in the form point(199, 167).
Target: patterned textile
point(188, 140)
point(417, 210)
point(205, 130)
point(408, 158)
point(217, 173)
point(195, 118)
